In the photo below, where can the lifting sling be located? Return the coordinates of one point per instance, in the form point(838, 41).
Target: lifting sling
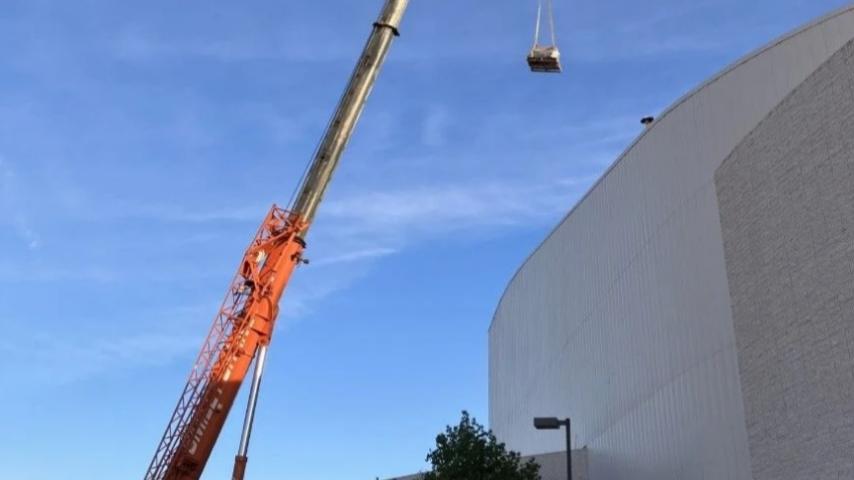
point(545, 57)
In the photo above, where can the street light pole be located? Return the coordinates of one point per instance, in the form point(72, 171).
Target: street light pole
point(568, 449)
point(553, 423)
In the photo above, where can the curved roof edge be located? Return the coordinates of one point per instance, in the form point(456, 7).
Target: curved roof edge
point(684, 98)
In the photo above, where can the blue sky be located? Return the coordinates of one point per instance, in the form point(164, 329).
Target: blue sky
point(142, 142)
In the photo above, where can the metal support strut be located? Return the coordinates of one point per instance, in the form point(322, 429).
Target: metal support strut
point(242, 451)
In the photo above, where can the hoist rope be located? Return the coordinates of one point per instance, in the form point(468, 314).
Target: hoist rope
point(552, 23)
point(550, 12)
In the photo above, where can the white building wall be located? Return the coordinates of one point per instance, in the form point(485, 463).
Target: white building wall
point(622, 318)
point(786, 196)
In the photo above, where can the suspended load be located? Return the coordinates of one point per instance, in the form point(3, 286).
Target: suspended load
point(545, 57)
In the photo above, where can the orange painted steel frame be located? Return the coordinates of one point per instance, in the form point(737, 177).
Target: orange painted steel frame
point(244, 322)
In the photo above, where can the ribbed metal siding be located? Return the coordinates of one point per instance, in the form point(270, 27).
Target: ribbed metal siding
point(621, 319)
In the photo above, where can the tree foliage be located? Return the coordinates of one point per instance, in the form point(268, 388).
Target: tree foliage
point(468, 451)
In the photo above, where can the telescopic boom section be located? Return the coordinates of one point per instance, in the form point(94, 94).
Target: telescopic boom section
point(244, 325)
point(350, 108)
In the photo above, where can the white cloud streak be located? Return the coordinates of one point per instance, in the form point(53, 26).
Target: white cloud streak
point(439, 209)
point(40, 359)
point(434, 129)
point(356, 255)
point(12, 207)
point(53, 360)
point(648, 33)
point(138, 44)
point(358, 229)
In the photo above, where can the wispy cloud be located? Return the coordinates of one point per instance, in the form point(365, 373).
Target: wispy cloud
point(439, 209)
point(358, 229)
point(140, 44)
point(176, 214)
point(53, 360)
point(22, 273)
point(674, 13)
point(435, 126)
point(619, 129)
point(87, 208)
point(372, 224)
point(59, 357)
point(591, 47)
point(13, 208)
point(355, 256)
point(646, 33)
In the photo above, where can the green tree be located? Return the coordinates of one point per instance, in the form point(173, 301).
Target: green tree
point(468, 451)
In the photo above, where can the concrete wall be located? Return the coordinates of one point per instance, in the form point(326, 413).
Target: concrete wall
point(552, 466)
point(787, 211)
point(622, 318)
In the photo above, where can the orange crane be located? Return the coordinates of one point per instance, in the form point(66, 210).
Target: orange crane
point(242, 329)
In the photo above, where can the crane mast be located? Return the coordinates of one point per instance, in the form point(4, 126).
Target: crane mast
point(242, 329)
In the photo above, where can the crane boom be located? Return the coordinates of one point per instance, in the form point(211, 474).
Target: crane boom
point(243, 327)
point(350, 108)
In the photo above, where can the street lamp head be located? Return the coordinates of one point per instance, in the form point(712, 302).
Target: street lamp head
point(547, 423)
point(552, 423)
